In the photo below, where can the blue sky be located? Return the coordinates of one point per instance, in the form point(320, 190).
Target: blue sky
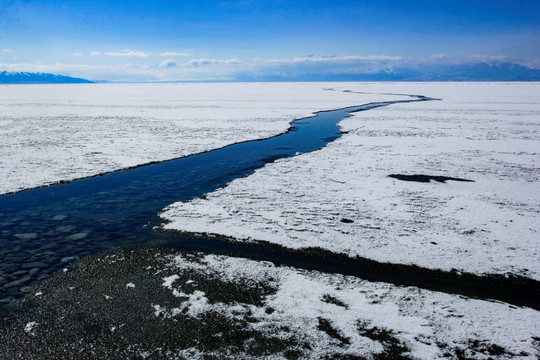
point(200, 40)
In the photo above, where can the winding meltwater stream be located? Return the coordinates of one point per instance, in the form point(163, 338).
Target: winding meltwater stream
point(46, 229)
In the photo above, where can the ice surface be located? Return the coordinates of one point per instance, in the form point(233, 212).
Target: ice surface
point(50, 133)
point(428, 324)
point(341, 198)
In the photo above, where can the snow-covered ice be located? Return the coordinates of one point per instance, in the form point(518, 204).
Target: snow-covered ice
point(341, 199)
point(429, 324)
point(245, 309)
point(425, 322)
point(52, 133)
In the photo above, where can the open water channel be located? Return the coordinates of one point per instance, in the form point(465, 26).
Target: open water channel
point(44, 230)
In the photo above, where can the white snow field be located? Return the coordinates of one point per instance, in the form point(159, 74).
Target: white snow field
point(341, 199)
point(52, 133)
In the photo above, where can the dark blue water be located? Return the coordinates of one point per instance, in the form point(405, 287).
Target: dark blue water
point(44, 230)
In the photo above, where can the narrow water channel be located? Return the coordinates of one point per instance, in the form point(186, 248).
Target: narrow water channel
point(44, 230)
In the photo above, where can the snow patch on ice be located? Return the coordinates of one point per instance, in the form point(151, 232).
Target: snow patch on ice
point(347, 315)
point(193, 304)
point(30, 327)
point(168, 281)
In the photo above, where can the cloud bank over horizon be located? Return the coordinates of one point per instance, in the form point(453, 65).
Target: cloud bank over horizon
point(206, 69)
point(216, 40)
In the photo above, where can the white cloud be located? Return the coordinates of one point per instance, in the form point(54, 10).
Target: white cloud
point(489, 58)
point(77, 54)
point(334, 59)
point(350, 58)
point(128, 53)
point(6, 50)
point(470, 59)
point(95, 53)
point(234, 69)
point(169, 63)
point(325, 65)
point(233, 61)
point(204, 62)
point(173, 54)
point(204, 68)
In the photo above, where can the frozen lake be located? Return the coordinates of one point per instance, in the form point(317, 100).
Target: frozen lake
point(52, 133)
point(337, 202)
point(46, 229)
point(342, 199)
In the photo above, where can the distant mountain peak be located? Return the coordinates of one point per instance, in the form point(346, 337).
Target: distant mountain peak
point(473, 71)
point(38, 78)
point(485, 71)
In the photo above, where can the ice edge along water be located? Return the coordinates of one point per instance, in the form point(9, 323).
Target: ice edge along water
point(485, 133)
point(172, 304)
point(60, 133)
point(457, 316)
point(87, 210)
